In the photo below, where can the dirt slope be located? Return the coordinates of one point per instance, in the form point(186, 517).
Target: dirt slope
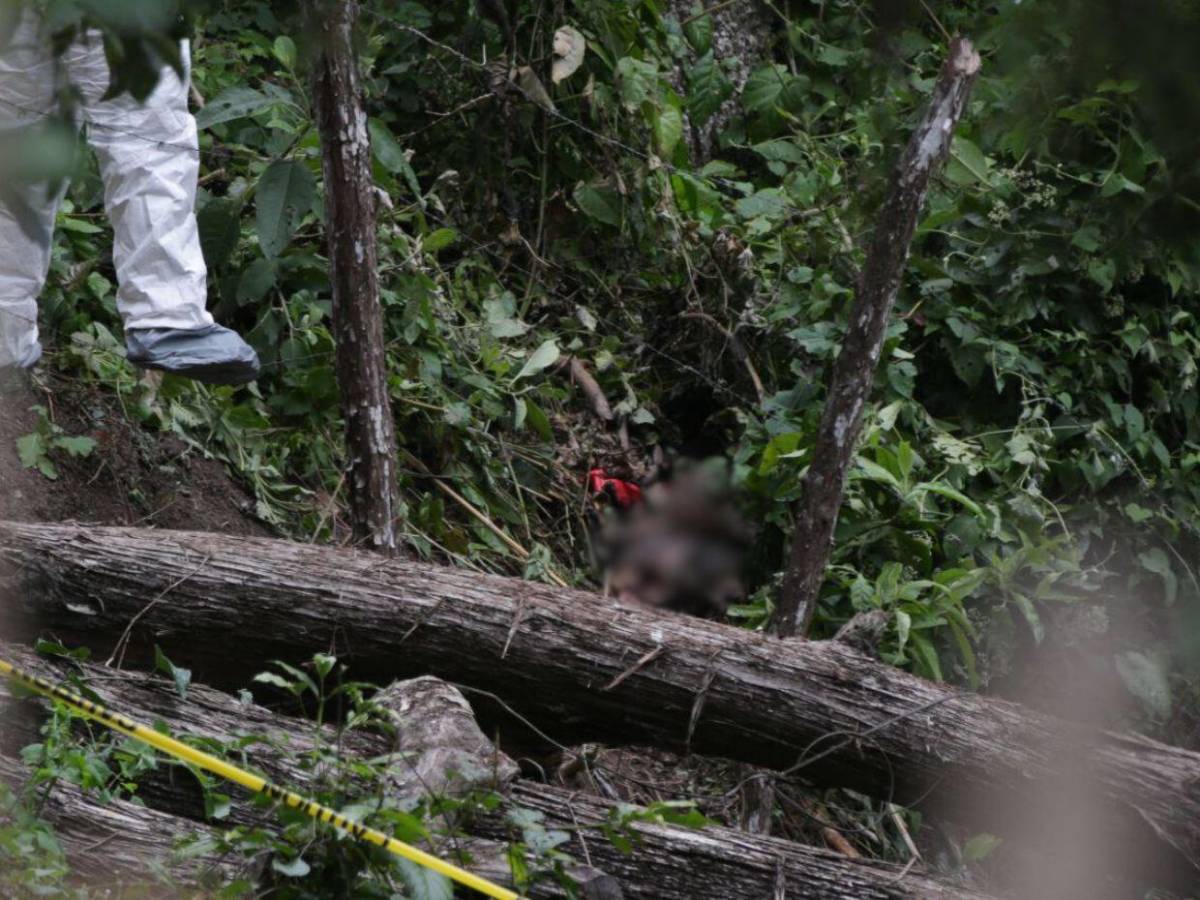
point(133, 476)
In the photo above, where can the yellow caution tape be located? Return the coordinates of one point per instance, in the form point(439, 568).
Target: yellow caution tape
point(251, 782)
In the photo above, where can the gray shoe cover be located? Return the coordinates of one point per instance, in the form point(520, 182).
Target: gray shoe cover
point(212, 354)
point(31, 357)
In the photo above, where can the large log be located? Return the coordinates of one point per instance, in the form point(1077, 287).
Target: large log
point(668, 862)
point(581, 668)
point(130, 850)
point(121, 844)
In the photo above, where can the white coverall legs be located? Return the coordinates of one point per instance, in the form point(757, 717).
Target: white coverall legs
point(149, 161)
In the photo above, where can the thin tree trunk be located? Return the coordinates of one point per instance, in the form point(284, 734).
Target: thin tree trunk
point(666, 863)
point(854, 371)
point(357, 313)
point(582, 667)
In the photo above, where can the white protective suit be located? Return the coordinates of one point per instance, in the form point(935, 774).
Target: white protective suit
point(148, 157)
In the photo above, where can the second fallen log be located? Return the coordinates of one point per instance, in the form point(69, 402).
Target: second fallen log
point(436, 737)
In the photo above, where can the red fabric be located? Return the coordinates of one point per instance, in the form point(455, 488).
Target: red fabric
point(623, 493)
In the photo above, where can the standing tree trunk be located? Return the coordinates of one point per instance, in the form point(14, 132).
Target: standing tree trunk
point(357, 313)
point(854, 370)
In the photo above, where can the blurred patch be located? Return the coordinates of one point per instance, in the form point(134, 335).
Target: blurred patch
point(677, 544)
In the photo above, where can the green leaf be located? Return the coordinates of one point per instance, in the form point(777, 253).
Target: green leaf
point(764, 88)
point(770, 203)
point(980, 847)
point(273, 679)
point(31, 448)
point(872, 471)
point(602, 204)
point(219, 223)
point(668, 129)
point(903, 629)
point(1147, 677)
point(967, 163)
point(182, 677)
point(284, 50)
point(324, 663)
point(389, 154)
point(833, 56)
point(944, 490)
point(1087, 238)
point(1138, 513)
point(256, 280)
point(1021, 448)
point(80, 445)
point(439, 239)
point(424, 883)
point(1135, 422)
point(541, 841)
point(292, 868)
point(285, 194)
point(708, 89)
point(457, 414)
point(780, 150)
point(1156, 561)
point(1103, 272)
point(79, 226)
point(699, 31)
point(1118, 183)
point(232, 103)
point(544, 356)
point(499, 314)
point(637, 80)
point(781, 446)
point(1029, 612)
point(539, 421)
point(926, 657)
point(966, 651)
point(696, 198)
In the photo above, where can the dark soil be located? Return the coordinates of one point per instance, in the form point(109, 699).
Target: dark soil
point(134, 476)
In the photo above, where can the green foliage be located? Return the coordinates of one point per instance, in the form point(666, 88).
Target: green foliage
point(1033, 439)
point(306, 860)
point(32, 861)
point(35, 449)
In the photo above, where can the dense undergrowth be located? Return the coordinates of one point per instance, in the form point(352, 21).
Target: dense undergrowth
point(1034, 436)
point(1029, 471)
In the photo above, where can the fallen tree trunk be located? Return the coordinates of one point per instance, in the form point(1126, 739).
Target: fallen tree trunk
point(130, 850)
point(668, 862)
point(673, 863)
point(582, 667)
point(114, 844)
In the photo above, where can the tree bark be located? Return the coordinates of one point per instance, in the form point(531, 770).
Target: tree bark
point(668, 862)
point(854, 371)
point(357, 312)
point(114, 843)
point(582, 667)
point(119, 844)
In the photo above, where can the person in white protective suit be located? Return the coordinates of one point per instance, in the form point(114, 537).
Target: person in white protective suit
point(148, 155)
